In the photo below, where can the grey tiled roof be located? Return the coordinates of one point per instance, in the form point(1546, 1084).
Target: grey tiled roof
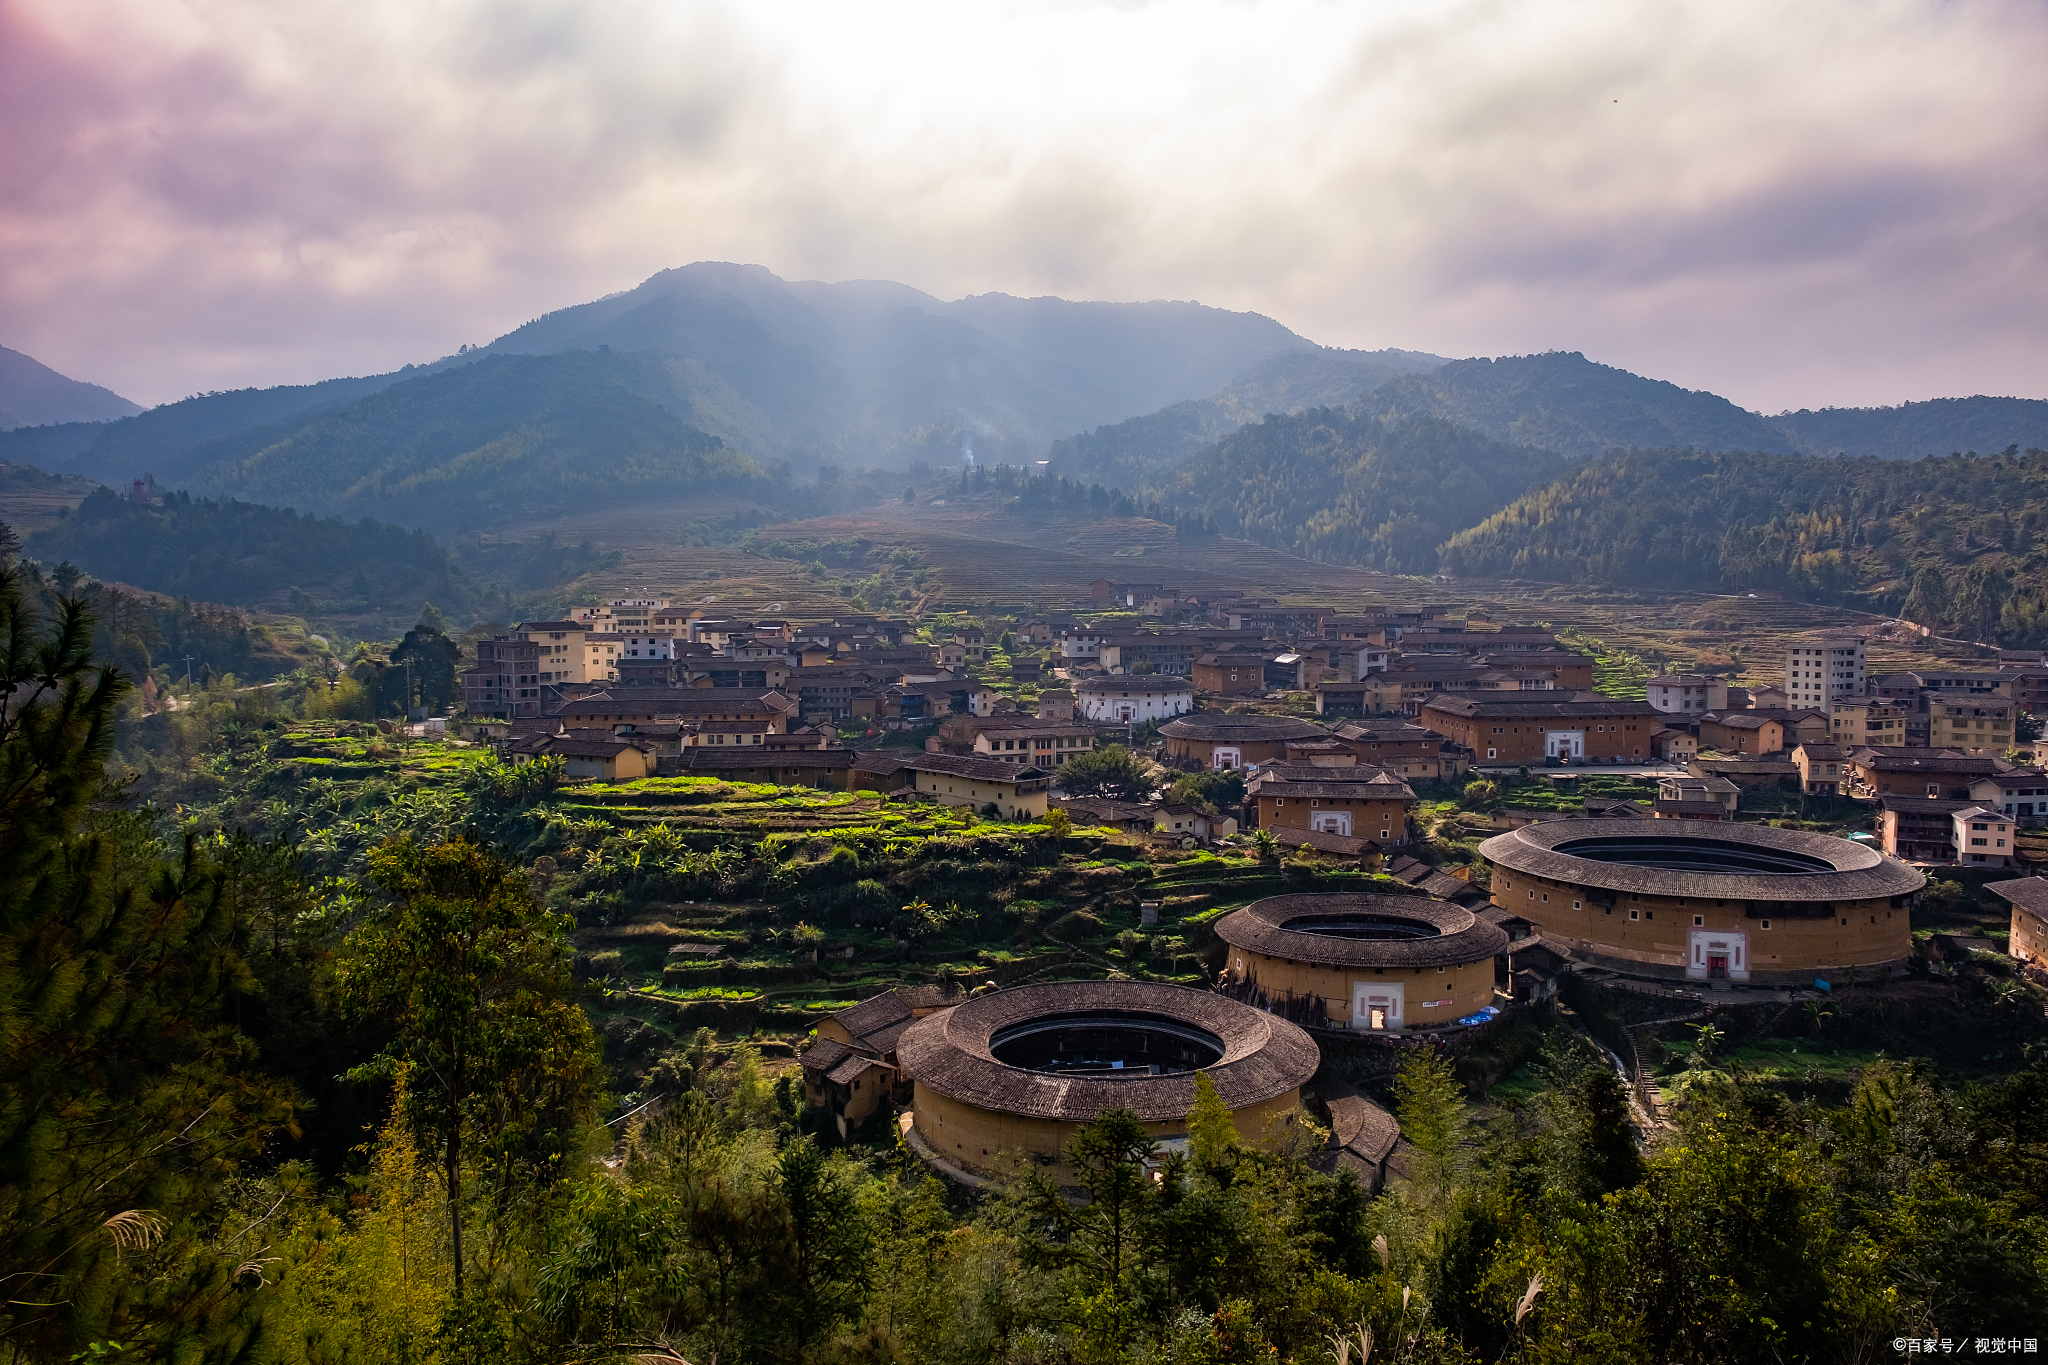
point(873, 1015)
point(1578, 707)
point(1460, 937)
point(1225, 729)
point(2029, 893)
point(824, 1054)
point(1263, 1056)
point(1859, 871)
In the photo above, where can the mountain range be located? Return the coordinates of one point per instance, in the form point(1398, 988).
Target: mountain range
point(726, 380)
point(878, 374)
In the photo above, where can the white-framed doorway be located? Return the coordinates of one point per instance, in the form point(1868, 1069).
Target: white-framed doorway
point(1564, 744)
point(1717, 955)
point(1376, 1005)
point(1331, 822)
point(1227, 758)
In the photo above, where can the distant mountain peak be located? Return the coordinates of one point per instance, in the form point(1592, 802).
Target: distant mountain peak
point(34, 395)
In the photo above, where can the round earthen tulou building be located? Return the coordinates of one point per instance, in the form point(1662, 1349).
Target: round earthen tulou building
point(1370, 962)
point(1705, 900)
point(1020, 1070)
point(1220, 740)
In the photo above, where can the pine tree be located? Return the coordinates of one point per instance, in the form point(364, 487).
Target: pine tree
point(498, 1058)
point(124, 1098)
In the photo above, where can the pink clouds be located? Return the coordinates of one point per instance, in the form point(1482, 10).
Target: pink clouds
point(1790, 204)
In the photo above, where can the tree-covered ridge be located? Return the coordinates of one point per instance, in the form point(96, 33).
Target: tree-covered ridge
point(1936, 427)
point(225, 550)
point(1348, 488)
point(1563, 402)
point(505, 435)
point(1954, 542)
point(1132, 453)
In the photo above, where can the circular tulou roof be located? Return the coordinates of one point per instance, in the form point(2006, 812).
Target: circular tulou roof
point(1362, 930)
point(949, 1052)
point(1134, 682)
point(1224, 729)
point(1702, 858)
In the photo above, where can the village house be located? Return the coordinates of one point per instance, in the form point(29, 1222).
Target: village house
point(1034, 745)
point(1854, 721)
point(1234, 673)
point(1973, 722)
point(1354, 802)
point(1945, 774)
point(2028, 897)
point(1741, 732)
point(1718, 792)
point(506, 680)
point(1983, 836)
point(1674, 745)
point(1402, 747)
point(584, 754)
point(1586, 727)
point(2018, 794)
point(1017, 793)
point(1918, 829)
point(850, 1070)
point(1131, 817)
point(560, 648)
point(1820, 768)
point(1376, 694)
point(1687, 694)
point(1176, 820)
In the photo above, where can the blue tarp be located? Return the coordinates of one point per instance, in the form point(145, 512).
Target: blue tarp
point(1490, 1012)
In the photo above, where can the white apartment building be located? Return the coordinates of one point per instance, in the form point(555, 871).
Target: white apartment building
point(1823, 668)
point(1687, 694)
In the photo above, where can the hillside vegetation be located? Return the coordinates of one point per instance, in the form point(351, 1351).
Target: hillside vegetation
point(222, 550)
point(1130, 453)
point(506, 435)
point(1350, 489)
point(1956, 543)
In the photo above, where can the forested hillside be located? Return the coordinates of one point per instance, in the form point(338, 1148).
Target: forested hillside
point(1563, 402)
point(1351, 489)
point(1943, 426)
point(1131, 453)
point(1956, 542)
point(507, 435)
point(221, 550)
point(152, 442)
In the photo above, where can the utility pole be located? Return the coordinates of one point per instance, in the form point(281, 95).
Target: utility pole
point(188, 670)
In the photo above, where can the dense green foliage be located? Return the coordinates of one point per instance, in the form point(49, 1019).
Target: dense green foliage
point(504, 435)
point(1350, 489)
point(222, 550)
point(1112, 771)
point(1562, 402)
point(1952, 543)
point(126, 1099)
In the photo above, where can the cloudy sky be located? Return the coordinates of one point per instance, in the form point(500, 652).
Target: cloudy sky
point(1791, 204)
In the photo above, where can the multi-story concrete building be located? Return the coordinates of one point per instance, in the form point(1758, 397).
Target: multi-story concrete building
point(1687, 694)
point(1975, 722)
point(505, 681)
point(1824, 667)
